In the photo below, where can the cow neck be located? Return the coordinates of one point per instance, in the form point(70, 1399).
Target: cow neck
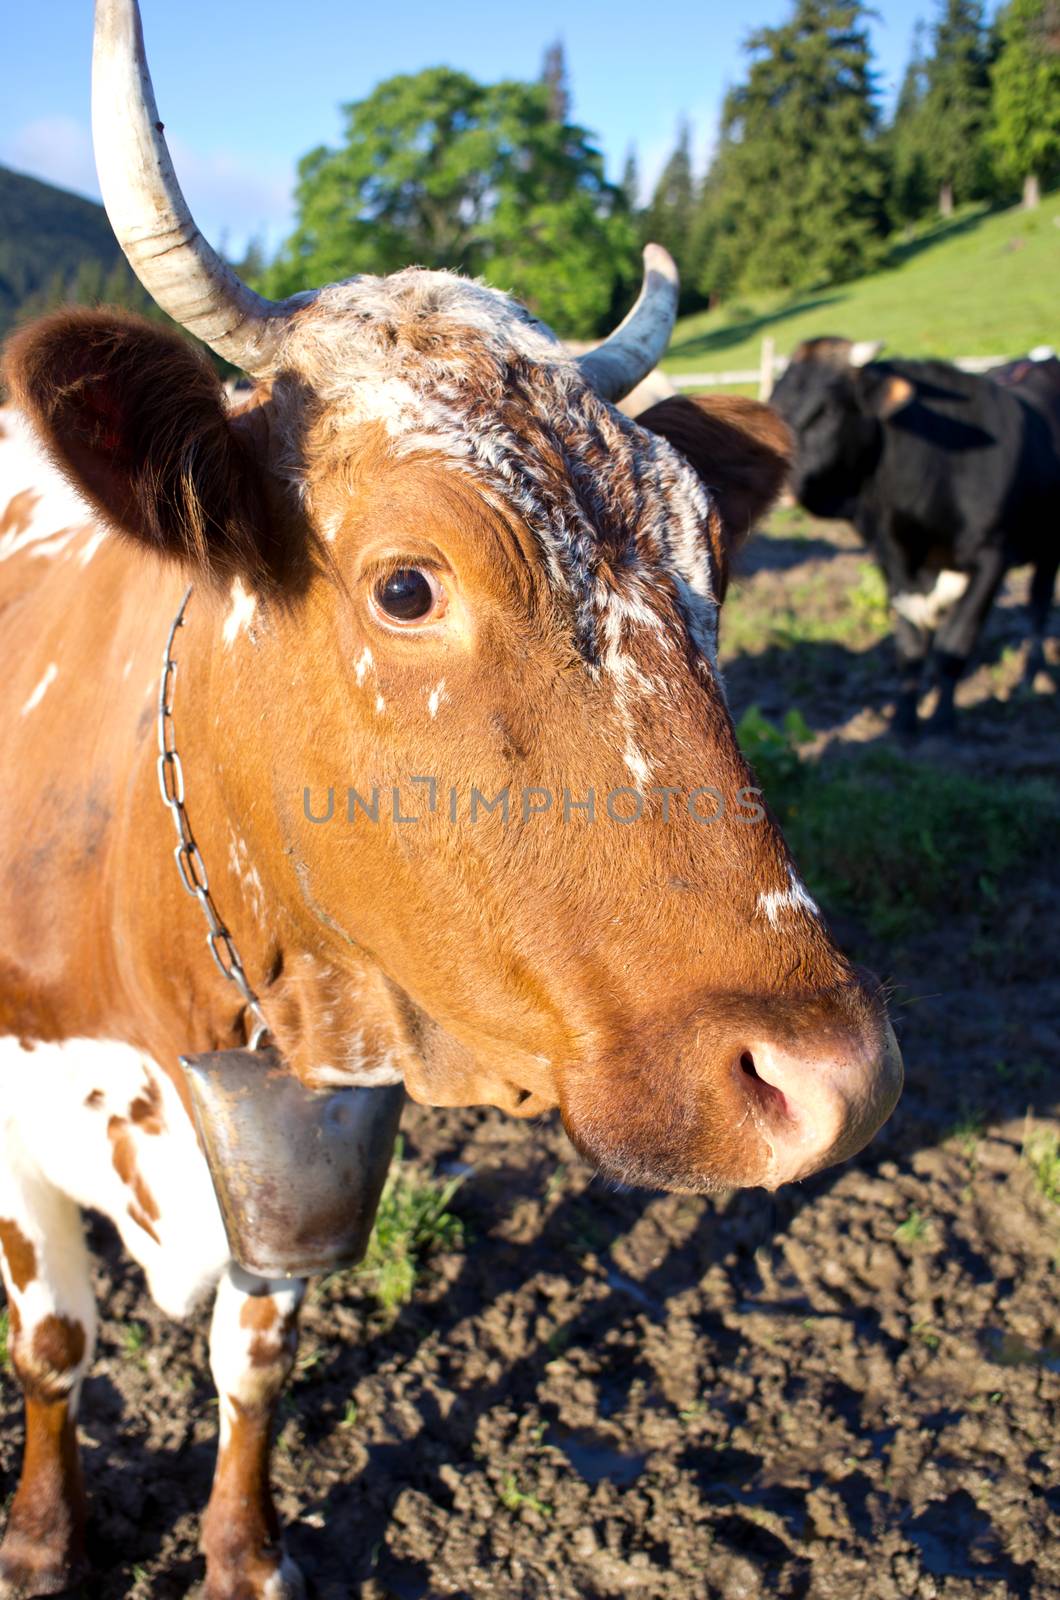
point(190, 863)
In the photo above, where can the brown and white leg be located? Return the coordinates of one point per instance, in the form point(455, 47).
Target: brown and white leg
point(52, 1329)
point(253, 1340)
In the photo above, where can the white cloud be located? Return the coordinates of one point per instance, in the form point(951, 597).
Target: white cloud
point(232, 197)
point(57, 149)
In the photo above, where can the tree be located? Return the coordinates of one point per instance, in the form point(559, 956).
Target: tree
point(910, 180)
point(796, 192)
point(669, 218)
point(441, 171)
point(1025, 97)
point(955, 107)
point(630, 181)
point(556, 80)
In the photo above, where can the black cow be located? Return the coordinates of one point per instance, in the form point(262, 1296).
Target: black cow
point(950, 479)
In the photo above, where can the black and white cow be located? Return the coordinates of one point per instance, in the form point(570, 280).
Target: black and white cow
point(950, 478)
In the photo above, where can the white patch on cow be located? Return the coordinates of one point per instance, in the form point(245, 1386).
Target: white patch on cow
point(927, 610)
point(356, 1076)
point(380, 703)
point(127, 668)
point(637, 764)
point(50, 674)
point(436, 696)
point(57, 1105)
point(91, 545)
point(285, 1583)
point(53, 547)
point(794, 898)
point(236, 1352)
point(331, 526)
point(61, 1282)
point(246, 874)
point(363, 665)
point(241, 615)
point(56, 506)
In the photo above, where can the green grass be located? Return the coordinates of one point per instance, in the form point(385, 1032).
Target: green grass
point(890, 840)
point(413, 1219)
point(1041, 1150)
point(5, 1334)
point(914, 1230)
point(980, 284)
point(862, 621)
point(512, 1498)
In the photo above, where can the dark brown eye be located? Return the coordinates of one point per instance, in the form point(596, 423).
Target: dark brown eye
point(408, 595)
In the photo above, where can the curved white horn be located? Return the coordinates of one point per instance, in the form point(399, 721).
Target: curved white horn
point(639, 342)
point(862, 351)
point(150, 216)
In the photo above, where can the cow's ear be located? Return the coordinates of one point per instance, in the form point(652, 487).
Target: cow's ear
point(882, 393)
point(740, 448)
point(137, 420)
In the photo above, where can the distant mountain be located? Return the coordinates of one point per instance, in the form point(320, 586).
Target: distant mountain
point(48, 238)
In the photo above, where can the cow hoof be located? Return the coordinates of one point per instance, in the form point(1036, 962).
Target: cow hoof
point(19, 1581)
point(284, 1582)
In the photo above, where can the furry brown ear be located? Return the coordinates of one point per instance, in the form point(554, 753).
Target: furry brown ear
point(137, 420)
point(740, 448)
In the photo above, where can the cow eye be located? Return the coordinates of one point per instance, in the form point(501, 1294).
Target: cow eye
point(409, 595)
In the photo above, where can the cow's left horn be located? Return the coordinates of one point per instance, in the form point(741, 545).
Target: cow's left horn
point(637, 345)
point(148, 212)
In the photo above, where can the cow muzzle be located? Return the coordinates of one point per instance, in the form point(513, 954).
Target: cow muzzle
point(721, 1099)
point(812, 1110)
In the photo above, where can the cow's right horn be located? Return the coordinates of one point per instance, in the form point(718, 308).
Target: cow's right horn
point(862, 351)
point(148, 212)
point(639, 342)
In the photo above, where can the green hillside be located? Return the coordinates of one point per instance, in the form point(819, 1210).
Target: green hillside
point(979, 284)
point(46, 237)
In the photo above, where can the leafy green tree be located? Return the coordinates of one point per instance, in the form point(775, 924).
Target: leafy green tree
point(955, 108)
point(1025, 108)
point(796, 193)
point(670, 216)
point(441, 171)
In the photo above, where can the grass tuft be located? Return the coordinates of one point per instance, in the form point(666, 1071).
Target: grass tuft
point(512, 1498)
point(1041, 1150)
point(890, 840)
point(413, 1219)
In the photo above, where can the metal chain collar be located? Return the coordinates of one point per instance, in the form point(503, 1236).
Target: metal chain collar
point(190, 864)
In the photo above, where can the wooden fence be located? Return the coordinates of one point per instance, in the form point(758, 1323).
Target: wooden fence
point(770, 366)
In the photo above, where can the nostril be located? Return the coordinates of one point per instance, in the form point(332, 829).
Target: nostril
point(763, 1093)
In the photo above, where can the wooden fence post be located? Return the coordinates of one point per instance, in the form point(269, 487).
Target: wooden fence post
point(765, 368)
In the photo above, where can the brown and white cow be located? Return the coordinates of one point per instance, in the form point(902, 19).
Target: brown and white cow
point(428, 546)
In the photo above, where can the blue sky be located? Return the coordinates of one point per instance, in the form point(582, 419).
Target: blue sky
point(247, 86)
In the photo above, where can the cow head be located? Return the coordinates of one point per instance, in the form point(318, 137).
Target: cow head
point(834, 395)
point(431, 549)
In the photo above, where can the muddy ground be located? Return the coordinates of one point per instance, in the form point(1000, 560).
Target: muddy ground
point(847, 1390)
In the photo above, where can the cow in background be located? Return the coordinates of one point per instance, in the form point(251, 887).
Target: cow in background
point(950, 478)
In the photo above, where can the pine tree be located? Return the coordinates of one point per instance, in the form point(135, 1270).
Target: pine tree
point(795, 194)
point(1025, 97)
point(956, 104)
point(911, 188)
point(630, 181)
point(669, 218)
point(555, 78)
